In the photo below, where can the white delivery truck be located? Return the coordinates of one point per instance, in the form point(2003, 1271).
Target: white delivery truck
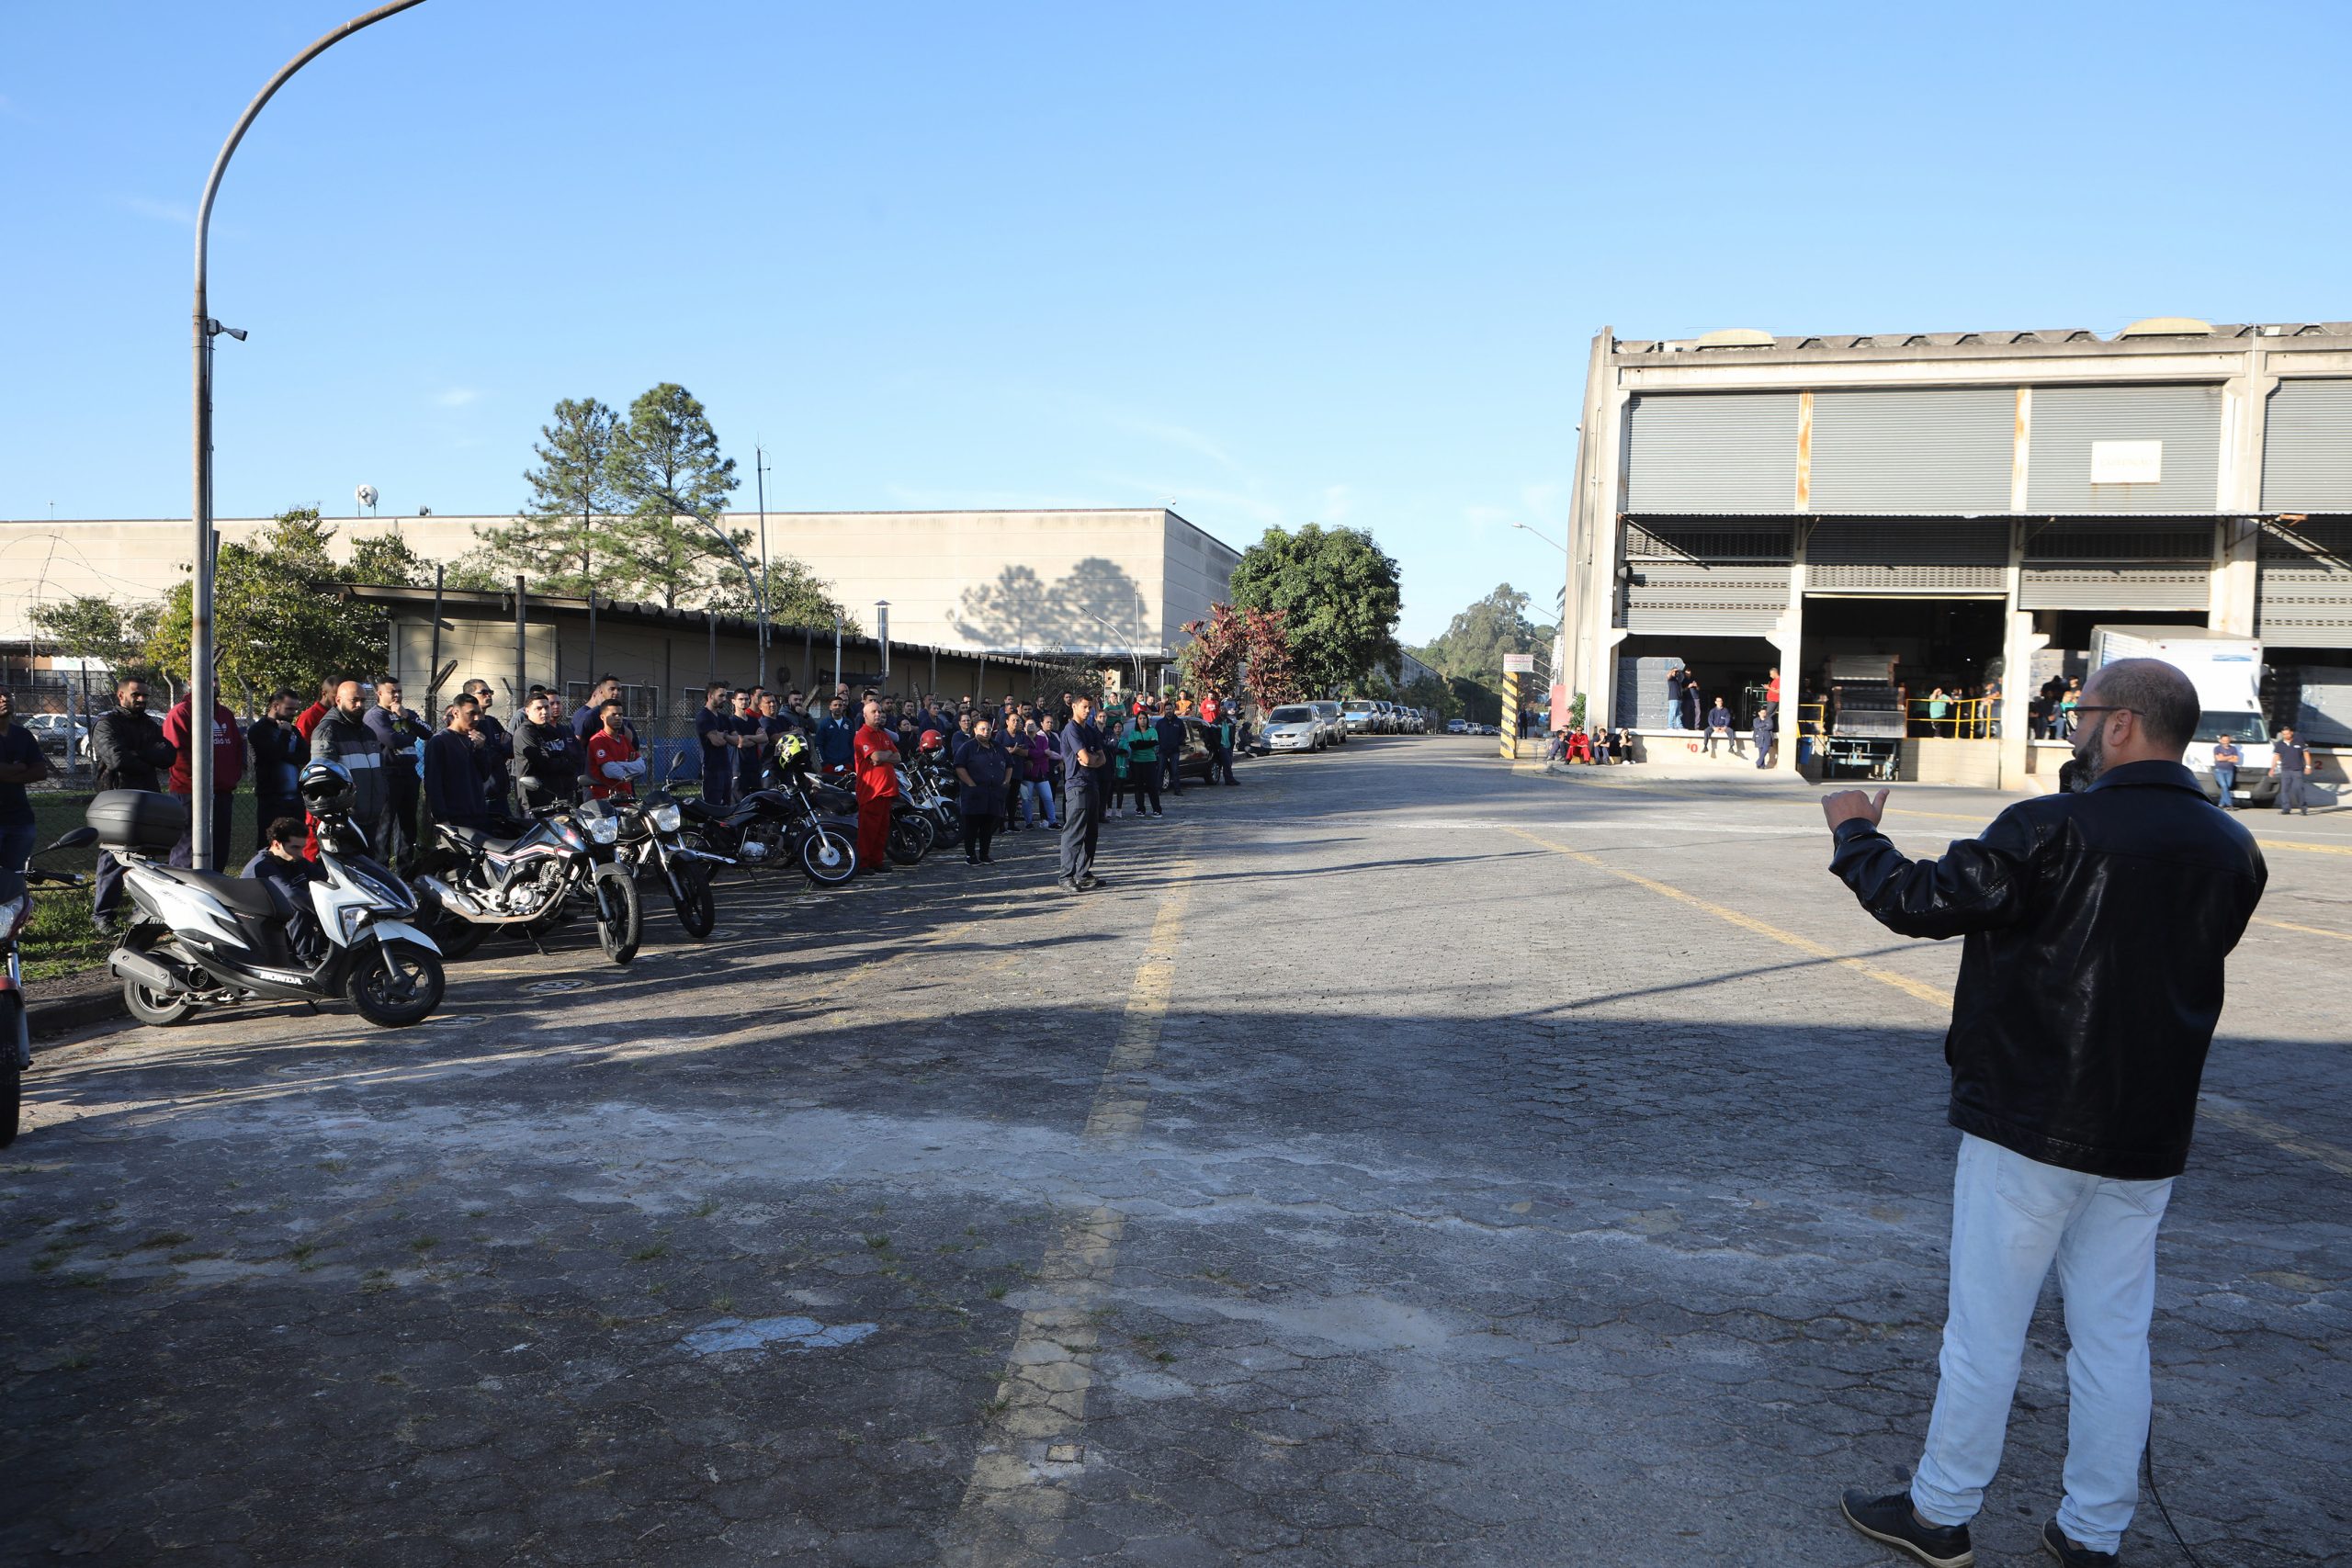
point(2227, 673)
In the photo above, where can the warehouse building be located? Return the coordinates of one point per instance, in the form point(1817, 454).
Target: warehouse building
point(1114, 583)
point(1963, 507)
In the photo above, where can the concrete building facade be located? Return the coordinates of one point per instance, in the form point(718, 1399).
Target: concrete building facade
point(1114, 583)
point(1969, 502)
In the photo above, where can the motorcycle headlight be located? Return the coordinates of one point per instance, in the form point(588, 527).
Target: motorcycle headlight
point(666, 817)
point(15, 915)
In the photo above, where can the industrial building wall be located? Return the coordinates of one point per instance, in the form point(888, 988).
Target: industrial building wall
point(2307, 447)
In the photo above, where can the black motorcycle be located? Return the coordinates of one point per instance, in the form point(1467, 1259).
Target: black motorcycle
point(650, 846)
point(779, 827)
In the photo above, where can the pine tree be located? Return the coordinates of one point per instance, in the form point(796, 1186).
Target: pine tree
point(667, 473)
point(555, 540)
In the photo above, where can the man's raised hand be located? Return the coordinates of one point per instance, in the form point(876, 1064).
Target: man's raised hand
point(1852, 805)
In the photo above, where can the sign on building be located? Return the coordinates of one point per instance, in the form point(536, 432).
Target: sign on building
point(2126, 462)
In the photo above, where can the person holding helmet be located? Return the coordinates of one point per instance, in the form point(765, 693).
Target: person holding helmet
point(873, 756)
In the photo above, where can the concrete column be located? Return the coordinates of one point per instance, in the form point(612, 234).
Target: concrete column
point(1586, 539)
point(2245, 402)
point(1789, 638)
point(1605, 491)
point(2016, 694)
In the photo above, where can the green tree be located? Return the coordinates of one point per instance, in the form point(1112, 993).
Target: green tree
point(272, 625)
point(796, 596)
point(554, 541)
point(388, 561)
point(1472, 645)
point(89, 626)
point(666, 472)
point(1339, 597)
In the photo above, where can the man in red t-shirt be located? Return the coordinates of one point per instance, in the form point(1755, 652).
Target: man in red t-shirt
point(1210, 707)
point(873, 756)
point(307, 720)
point(613, 767)
point(228, 767)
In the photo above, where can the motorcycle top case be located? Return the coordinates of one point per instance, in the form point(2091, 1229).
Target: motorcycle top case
point(137, 819)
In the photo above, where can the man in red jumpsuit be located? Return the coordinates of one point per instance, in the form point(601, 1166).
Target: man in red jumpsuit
point(873, 756)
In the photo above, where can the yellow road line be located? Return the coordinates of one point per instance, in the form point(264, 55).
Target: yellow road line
point(2307, 931)
point(1917, 988)
point(1021, 1487)
point(2275, 1133)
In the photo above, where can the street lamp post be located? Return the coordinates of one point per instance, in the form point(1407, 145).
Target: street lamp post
point(1135, 653)
point(201, 650)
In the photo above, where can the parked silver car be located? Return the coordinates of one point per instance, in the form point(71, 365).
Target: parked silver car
point(1293, 727)
point(1335, 722)
point(1361, 715)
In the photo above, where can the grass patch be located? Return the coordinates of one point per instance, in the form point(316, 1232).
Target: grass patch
point(647, 1254)
point(997, 1292)
point(877, 1240)
point(424, 1244)
point(163, 1238)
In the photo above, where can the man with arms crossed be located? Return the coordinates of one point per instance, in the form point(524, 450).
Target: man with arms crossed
point(2096, 926)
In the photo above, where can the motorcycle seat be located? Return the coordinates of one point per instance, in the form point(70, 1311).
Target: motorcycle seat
point(475, 840)
point(245, 894)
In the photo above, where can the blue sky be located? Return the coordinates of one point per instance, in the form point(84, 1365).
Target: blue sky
point(1267, 263)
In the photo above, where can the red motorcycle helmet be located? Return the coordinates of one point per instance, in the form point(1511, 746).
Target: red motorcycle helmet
point(930, 742)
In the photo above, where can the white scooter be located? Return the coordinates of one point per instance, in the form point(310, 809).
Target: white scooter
point(201, 938)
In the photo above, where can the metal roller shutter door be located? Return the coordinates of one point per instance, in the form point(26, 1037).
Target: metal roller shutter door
point(2097, 564)
point(2307, 447)
point(1914, 451)
point(1689, 599)
point(1711, 452)
point(2304, 598)
point(2068, 422)
point(1907, 555)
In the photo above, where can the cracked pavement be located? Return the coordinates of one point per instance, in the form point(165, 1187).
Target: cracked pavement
point(1466, 1204)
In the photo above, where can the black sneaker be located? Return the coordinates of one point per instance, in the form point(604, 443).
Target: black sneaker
point(1090, 882)
point(2054, 1541)
point(1892, 1520)
point(1066, 885)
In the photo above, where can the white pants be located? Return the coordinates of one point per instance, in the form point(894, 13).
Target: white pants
point(2011, 1217)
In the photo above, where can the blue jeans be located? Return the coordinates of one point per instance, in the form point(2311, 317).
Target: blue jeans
point(2226, 775)
point(1037, 798)
point(1674, 712)
point(2011, 1218)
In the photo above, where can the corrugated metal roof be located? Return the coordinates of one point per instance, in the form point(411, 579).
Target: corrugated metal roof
point(1835, 342)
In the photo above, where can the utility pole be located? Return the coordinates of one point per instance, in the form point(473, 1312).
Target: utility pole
point(760, 481)
point(201, 684)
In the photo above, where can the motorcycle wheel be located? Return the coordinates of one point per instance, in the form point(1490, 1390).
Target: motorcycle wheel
point(148, 1008)
point(826, 859)
point(453, 934)
point(691, 896)
point(911, 839)
point(12, 1077)
point(946, 826)
point(395, 1001)
point(620, 914)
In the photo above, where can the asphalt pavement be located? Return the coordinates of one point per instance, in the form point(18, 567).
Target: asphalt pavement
point(1409, 1159)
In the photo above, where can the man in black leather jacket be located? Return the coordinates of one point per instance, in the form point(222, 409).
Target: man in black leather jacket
point(2096, 924)
point(131, 754)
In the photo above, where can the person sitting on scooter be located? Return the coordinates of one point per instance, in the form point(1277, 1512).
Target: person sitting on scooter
point(281, 864)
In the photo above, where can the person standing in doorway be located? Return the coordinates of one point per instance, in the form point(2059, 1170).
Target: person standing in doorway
point(1086, 766)
point(2226, 759)
point(1763, 735)
point(2291, 761)
point(874, 753)
point(21, 763)
point(2095, 925)
point(1677, 680)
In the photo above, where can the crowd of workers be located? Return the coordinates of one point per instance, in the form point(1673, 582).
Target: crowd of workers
point(1020, 764)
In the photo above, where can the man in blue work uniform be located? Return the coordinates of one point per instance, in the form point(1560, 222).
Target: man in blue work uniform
point(1171, 730)
point(2226, 758)
point(1086, 766)
point(2291, 761)
point(715, 738)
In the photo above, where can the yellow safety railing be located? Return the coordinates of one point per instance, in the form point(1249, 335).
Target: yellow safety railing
point(1959, 719)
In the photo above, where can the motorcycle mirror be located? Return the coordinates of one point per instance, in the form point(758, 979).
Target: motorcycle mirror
point(80, 837)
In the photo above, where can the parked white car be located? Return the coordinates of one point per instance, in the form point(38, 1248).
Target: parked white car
point(1293, 727)
point(1335, 722)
